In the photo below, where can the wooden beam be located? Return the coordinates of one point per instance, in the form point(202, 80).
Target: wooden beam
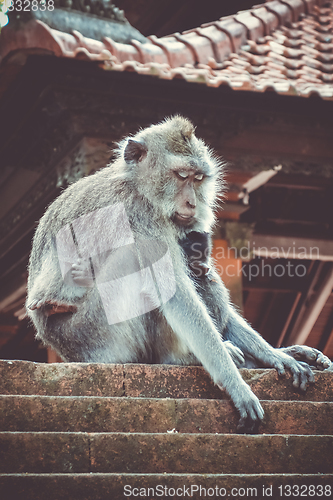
point(328, 344)
point(267, 312)
point(314, 272)
point(327, 336)
point(11, 299)
point(256, 182)
point(286, 247)
point(289, 319)
point(314, 309)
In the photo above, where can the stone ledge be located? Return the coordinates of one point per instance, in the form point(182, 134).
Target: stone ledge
point(158, 453)
point(111, 486)
point(96, 414)
point(141, 380)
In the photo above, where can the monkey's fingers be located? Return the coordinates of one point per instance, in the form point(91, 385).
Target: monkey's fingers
point(310, 355)
point(249, 423)
point(280, 369)
point(302, 374)
point(321, 361)
point(78, 273)
point(246, 425)
point(79, 267)
point(35, 304)
point(305, 375)
point(78, 262)
point(81, 274)
point(251, 414)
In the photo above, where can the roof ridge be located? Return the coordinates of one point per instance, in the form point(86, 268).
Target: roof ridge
point(258, 21)
point(285, 45)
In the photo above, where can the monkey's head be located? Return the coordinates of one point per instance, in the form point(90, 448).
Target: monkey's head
point(176, 172)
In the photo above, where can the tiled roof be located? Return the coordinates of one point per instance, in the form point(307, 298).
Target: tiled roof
point(284, 45)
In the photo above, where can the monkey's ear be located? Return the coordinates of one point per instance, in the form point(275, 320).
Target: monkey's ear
point(134, 151)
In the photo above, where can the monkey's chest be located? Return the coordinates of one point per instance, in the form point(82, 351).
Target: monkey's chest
point(197, 248)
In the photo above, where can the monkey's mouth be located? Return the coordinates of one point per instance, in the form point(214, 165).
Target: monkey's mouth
point(183, 220)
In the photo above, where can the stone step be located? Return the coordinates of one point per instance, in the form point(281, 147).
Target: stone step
point(154, 381)
point(121, 414)
point(75, 452)
point(151, 486)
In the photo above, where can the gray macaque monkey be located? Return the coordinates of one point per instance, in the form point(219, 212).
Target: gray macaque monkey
point(111, 277)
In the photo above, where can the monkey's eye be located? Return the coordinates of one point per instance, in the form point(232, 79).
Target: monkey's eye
point(181, 175)
point(199, 177)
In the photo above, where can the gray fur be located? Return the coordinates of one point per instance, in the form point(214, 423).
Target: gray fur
point(189, 328)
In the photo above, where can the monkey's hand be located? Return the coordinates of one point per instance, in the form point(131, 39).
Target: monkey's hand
point(309, 355)
point(236, 354)
point(249, 407)
point(301, 372)
point(81, 273)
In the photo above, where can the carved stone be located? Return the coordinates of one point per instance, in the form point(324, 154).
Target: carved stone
point(86, 158)
point(91, 25)
point(94, 19)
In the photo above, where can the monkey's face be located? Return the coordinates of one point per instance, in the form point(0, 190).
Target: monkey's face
point(187, 182)
point(176, 172)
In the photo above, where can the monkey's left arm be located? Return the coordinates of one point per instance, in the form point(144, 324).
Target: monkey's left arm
point(262, 354)
point(257, 352)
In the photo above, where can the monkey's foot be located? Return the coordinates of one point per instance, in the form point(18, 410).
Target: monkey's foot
point(301, 371)
point(313, 357)
point(81, 273)
point(51, 307)
point(236, 354)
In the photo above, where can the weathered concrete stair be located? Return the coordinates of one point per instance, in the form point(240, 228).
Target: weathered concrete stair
point(85, 431)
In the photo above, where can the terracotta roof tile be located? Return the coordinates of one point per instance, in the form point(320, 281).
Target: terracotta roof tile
point(269, 19)
point(255, 27)
point(178, 53)
point(281, 45)
point(220, 41)
point(283, 12)
point(235, 31)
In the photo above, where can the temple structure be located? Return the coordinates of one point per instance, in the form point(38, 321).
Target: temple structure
point(76, 77)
